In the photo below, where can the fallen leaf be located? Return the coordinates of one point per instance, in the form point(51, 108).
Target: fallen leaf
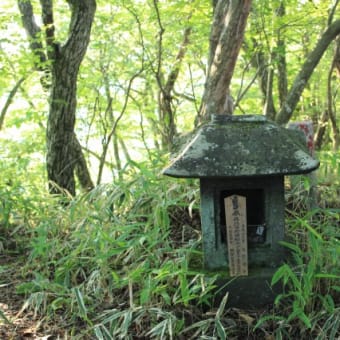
point(247, 318)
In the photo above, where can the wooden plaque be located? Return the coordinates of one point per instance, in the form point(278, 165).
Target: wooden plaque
point(236, 222)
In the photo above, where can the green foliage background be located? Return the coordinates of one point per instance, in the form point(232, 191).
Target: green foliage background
point(116, 262)
point(126, 45)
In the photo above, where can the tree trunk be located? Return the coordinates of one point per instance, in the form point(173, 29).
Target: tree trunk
point(269, 107)
point(166, 112)
point(320, 132)
point(117, 154)
point(331, 111)
point(60, 128)
point(226, 37)
point(64, 153)
point(81, 168)
point(35, 42)
point(281, 59)
point(306, 71)
point(61, 156)
point(265, 77)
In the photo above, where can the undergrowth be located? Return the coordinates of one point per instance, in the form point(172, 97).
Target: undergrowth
point(117, 264)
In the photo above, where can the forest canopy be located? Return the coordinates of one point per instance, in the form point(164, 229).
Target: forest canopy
point(141, 83)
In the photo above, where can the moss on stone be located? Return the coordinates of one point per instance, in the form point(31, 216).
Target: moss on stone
point(242, 146)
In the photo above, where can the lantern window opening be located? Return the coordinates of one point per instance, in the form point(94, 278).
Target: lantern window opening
point(255, 210)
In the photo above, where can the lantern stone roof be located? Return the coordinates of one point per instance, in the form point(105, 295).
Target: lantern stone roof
point(242, 146)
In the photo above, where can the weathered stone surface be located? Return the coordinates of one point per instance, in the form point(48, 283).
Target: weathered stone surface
point(265, 206)
point(251, 291)
point(246, 156)
point(242, 146)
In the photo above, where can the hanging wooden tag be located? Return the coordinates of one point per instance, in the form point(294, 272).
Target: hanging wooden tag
point(236, 221)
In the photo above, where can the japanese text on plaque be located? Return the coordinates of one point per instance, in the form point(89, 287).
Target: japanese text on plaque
point(236, 221)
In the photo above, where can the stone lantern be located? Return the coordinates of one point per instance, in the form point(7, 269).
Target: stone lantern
point(241, 162)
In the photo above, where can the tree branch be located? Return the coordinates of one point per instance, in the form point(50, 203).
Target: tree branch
point(332, 12)
point(306, 71)
point(169, 86)
point(160, 46)
point(33, 32)
point(114, 127)
point(47, 19)
point(82, 14)
point(9, 100)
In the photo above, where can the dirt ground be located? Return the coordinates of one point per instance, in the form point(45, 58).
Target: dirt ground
point(16, 323)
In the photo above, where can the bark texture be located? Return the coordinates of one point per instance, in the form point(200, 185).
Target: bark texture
point(230, 18)
point(34, 34)
point(61, 155)
point(64, 154)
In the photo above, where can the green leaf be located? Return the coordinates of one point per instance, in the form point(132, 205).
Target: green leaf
point(291, 246)
point(311, 229)
point(166, 297)
point(268, 318)
point(327, 276)
point(80, 301)
point(98, 333)
point(126, 322)
point(304, 318)
point(185, 293)
point(202, 325)
point(146, 292)
point(222, 305)
point(278, 298)
point(220, 330)
point(279, 274)
point(295, 280)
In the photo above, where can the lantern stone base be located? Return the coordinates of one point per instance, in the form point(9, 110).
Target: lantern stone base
point(252, 291)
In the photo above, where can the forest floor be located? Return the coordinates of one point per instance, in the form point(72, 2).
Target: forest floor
point(20, 324)
point(17, 323)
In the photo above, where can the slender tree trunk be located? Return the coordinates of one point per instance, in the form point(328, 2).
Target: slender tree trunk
point(306, 71)
point(322, 123)
point(34, 34)
point(230, 18)
point(125, 150)
point(265, 79)
point(167, 114)
point(320, 132)
point(115, 123)
point(269, 107)
point(281, 59)
point(116, 153)
point(331, 111)
point(9, 100)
